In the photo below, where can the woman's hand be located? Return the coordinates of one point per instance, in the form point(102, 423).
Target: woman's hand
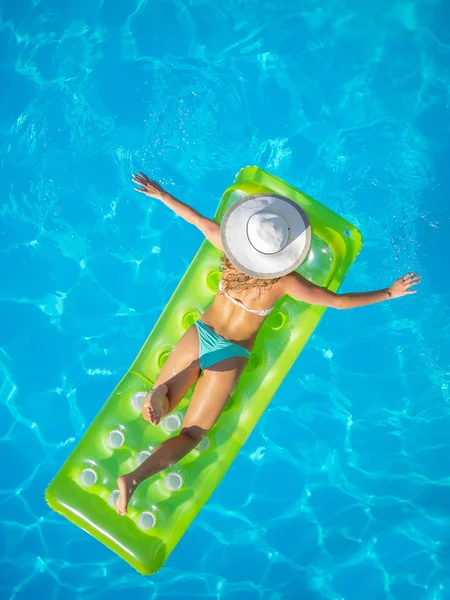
point(401, 286)
point(148, 186)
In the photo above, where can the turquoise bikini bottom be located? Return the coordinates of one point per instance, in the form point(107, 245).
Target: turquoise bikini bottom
point(214, 348)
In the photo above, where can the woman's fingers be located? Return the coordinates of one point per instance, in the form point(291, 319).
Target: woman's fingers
point(144, 177)
point(143, 180)
point(138, 176)
point(146, 183)
point(410, 279)
point(414, 280)
point(144, 189)
point(148, 186)
point(410, 282)
point(411, 276)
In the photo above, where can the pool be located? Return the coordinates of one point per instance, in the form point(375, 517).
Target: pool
point(342, 490)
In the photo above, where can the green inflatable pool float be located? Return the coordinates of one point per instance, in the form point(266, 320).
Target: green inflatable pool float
point(163, 507)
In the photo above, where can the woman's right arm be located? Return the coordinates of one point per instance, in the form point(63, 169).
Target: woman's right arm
point(209, 228)
point(301, 289)
point(151, 188)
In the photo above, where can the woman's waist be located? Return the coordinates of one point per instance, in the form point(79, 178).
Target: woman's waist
point(233, 330)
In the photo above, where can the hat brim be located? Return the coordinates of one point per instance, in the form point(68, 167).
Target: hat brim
point(244, 256)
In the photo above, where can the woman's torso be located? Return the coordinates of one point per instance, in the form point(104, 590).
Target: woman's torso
point(232, 321)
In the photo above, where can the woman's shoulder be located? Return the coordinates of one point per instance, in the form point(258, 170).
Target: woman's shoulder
point(284, 281)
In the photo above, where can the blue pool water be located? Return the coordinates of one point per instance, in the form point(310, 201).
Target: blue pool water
point(342, 491)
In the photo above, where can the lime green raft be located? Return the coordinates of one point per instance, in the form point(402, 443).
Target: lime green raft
point(164, 506)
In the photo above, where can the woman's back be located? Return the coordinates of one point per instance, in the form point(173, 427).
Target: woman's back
point(233, 313)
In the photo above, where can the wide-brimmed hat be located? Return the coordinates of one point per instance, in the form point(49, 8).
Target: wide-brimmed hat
point(266, 235)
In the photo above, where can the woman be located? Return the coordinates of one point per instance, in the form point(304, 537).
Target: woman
point(263, 238)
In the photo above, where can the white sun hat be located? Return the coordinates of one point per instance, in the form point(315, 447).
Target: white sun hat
point(266, 235)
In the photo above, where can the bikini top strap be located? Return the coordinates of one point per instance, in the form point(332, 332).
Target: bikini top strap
point(255, 311)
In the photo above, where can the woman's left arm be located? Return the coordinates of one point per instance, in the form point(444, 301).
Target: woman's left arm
point(301, 289)
point(209, 228)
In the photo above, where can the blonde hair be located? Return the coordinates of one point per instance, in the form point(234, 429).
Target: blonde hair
point(234, 279)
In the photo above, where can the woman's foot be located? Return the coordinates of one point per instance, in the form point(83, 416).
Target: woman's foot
point(154, 403)
point(126, 488)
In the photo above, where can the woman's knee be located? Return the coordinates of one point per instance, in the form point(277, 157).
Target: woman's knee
point(195, 432)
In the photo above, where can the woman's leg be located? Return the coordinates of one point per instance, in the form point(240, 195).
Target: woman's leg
point(179, 373)
point(210, 396)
